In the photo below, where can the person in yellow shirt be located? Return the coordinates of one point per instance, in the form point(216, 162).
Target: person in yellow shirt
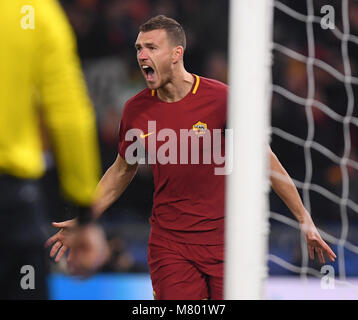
point(40, 75)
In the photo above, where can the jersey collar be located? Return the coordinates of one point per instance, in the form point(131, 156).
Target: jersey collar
point(194, 88)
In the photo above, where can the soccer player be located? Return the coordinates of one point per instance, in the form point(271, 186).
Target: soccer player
point(186, 244)
point(40, 74)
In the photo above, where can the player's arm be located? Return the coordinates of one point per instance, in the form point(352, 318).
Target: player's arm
point(284, 187)
point(113, 183)
point(109, 189)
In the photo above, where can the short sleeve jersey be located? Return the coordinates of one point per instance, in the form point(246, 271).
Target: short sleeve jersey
point(184, 142)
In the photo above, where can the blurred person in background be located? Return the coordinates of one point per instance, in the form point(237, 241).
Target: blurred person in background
point(41, 79)
point(186, 244)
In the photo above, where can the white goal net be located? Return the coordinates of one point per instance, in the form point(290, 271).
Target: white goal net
point(314, 117)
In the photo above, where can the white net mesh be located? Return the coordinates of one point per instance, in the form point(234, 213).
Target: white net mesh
point(314, 129)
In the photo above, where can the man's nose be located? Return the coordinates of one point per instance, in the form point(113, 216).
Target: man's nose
point(142, 54)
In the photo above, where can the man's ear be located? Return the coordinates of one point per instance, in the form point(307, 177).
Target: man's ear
point(178, 53)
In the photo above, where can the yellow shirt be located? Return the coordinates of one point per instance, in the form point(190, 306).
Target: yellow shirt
point(40, 73)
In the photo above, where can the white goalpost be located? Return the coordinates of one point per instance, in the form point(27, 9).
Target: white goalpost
point(324, 138)
point(250, 33)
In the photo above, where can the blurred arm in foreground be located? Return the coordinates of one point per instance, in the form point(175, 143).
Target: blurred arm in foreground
point(70, 121)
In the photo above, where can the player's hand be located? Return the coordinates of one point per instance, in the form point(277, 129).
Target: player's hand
point(315, 243)
point(60, 241)
point(89, 250)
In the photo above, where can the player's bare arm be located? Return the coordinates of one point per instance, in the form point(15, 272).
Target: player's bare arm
point(283, 185)
point(109, 189)
point(113, 183)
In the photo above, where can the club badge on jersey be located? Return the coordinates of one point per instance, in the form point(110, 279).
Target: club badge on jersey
point(200, 128)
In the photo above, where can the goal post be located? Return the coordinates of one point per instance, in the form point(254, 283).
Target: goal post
point(246, 236)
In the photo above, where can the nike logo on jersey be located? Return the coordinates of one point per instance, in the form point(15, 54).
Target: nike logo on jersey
point(145, 135)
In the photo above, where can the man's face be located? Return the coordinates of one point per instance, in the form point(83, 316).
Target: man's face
point(155, 57)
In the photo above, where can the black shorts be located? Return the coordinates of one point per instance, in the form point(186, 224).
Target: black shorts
point(23, 262)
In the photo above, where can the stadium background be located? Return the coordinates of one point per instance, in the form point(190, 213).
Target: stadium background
point(106, 31)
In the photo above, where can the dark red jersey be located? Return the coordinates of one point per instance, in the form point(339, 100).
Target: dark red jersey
point(180, 139)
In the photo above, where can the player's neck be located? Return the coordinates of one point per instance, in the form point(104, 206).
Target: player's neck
point(178, 87)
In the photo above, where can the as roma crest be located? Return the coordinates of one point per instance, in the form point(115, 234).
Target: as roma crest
point(200, 128)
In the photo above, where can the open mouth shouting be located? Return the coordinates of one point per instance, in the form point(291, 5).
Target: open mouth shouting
point(148, 72)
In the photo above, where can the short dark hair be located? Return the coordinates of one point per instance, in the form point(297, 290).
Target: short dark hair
point(173, 28)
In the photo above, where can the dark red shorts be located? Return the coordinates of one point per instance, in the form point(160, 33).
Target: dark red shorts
point(185, 271)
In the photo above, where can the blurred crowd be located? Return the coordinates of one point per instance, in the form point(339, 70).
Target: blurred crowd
point(106, 31)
